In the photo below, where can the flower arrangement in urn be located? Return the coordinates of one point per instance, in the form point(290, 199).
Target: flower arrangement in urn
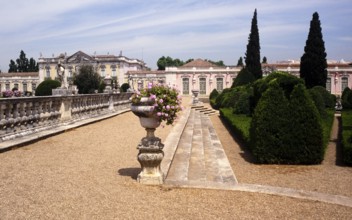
point(165, 101)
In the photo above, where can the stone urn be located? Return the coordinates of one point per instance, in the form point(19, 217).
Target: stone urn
point(150, 148)
point(195, 96)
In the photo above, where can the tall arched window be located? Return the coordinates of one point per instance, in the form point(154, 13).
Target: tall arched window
point(185, 86)
point(328, 84)
point(344, 83)
point(202, 86)
point(219, 84)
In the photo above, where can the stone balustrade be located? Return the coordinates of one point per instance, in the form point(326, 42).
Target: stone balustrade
point(22, 116)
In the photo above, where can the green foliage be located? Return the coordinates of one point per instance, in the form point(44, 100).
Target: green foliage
point(346, 117)
point(244, 77)
point(264, 60)
point(252, 58)
point(305, 145)
point(329, 99)
point(327, 125)
point(102, 86)
point(124, 87)
point(287, 131)
point(269, 130)
point(243, 104)
point(313, 67)
point(87, 80)
point(285, 80)
point(23, 64)
point(45, 88)
point(318, 101)
point(240, 62)
point(346, 98)
point(164, 62)
point(213, 94)
point(239, 123)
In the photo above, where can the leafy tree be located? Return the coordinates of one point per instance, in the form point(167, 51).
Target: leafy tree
point(87, 80)
point(13, 67)
point(313, 62)
point(164, 62)
point(218, 63)
point(264, 60)
point(33, 66)
point(22, 64)
point(252, 58)
point(189, 60)
point(240, 62)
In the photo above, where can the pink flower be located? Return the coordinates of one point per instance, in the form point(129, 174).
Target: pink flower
point(150, 85)
point(161, 100)
point(152, 96)
point(159, 114)
point(166, 114)
point(168, 107)
point(172, 107)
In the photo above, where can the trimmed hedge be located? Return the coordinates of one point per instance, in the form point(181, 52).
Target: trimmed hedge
point(269, 130)
point(346, 117)
point(346, 98)
point(45, 88)
point(329, 99)
point(239, 123)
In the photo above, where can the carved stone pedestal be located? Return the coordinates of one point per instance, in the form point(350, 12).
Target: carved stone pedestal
point(150, 156)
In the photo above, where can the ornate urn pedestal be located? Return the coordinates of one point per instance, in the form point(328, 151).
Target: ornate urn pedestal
point(150, 148)
point(195, 96)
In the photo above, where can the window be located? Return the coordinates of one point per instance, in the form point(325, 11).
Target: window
point(328, 84)
point(113, 72)
point(219, 84)
point(24, 87)
point(7, 86)
point(34, 87)
point(47, 72)
point(344, 83)
point(102, 72)
point(185, 86)
point(202, 86)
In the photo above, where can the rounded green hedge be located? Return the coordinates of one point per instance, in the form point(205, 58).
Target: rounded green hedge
point(45, 88)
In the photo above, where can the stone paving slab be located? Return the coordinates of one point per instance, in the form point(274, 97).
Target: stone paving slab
point(199, 158)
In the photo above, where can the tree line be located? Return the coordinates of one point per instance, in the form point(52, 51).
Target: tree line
point(164, 62)
point(22, 64)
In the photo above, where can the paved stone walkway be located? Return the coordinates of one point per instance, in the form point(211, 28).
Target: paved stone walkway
point(200, 159)
point(194, 157)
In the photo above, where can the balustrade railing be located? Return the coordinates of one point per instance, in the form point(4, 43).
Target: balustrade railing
point(27, 115)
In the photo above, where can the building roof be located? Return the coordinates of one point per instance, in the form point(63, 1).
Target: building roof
point(145, 72)
point(198, 63)
point(20, 74)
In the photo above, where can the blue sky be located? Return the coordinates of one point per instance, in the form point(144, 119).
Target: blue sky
point(210, 29)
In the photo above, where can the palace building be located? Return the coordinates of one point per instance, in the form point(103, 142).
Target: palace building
point(204, 76)
point(113, 66)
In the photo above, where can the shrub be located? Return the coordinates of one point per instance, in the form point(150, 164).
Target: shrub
point(124, 87)
point(285, 80)
point(318, 101)
point(244, 77)
point(346, 98)
point(269, 129)
point(306, 131)
point(238, 123)
point(329, 99)
point(45, 88)
point(346, 117)
point(242, 106)
point(212, 97)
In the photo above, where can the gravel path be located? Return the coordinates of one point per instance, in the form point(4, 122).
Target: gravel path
point(90, 173)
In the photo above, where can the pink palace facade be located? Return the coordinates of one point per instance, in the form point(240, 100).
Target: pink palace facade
point(205, 76)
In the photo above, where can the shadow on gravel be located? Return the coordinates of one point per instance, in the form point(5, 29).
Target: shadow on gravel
point(131, 172)
point(245, 154)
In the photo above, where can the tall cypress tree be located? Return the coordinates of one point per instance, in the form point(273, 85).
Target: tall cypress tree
point(252, 58)
point(313, 62)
